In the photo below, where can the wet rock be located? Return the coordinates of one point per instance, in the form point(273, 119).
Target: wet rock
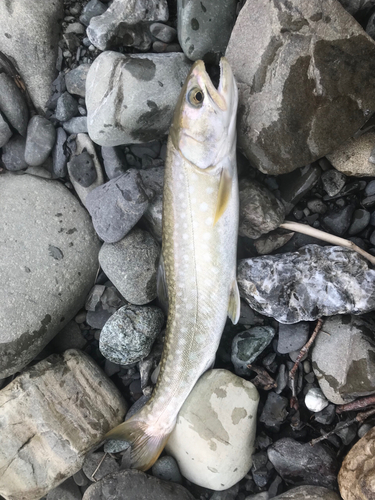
point(43, 400)
point(166, 468)
point(108, 465)
point(260, 211)
point(163, 32)
point(204, 28)
point(305, 285)
point(14, 154)
point(5, 132)
point(292, 337)
point(333, 181)
point(68, 490)
point(76, 125)
point(248, 345)
point(58, 154)
point(12, 104)
point(214, 436)
point(343, 358)
point(131, 264)
point(315, 400)
point(41, 136)
point(49, 258)
point(117, 205)
point(274, 412)
point(66, 107)
point(360, 221)
point(92, 9)
point(308, 493)
point(295, 186)
point(356, 476)
point(352, 157)
point(313, 95)
point(128, 335)
point(131, 98)
point(75, 80)
point(137, 485)
point(114, 162)
point(121, 20)
point(302, 463)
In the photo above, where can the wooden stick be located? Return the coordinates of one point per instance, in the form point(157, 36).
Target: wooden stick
point(358, 404)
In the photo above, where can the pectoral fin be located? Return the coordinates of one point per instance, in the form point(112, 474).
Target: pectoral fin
point(225, 188)
point(234, 303)
point(161, 285)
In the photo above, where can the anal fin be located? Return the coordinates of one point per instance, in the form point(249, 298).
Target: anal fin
point(234, 306)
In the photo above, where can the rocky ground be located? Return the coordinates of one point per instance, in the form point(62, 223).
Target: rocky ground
point(87, 92)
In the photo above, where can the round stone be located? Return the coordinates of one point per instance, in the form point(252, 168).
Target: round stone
point(315, 400)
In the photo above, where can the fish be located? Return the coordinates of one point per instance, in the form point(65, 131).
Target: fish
point(197, 271)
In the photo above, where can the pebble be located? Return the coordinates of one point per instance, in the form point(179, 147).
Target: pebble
point(13, 105)
point(31, 466)
point(338, 221)
point(5, 132)
point(116, 446)
point(13, 155)
point(317, 206)
point(108, 465)
point(114, 161)
point(75, 80)
point(248, 345)
point(40, 139)
point(308, 493)
point(292, 337)
point(97, 319)
point(80, 479)
point(76, 28)
point(364, 429)
point(66, 107)
point(333, 181)
point(128, 335)
point(82, 169)
point(92, 9)
point(76, 125)
point(295, 186)
point(153, 178)
point(166, 468)
point(68, 490)
point(370, 188)
point(327, 415)
point(215, 432)
point(352, 157)
point(117, 205)
point(315, 400)
point(274, 412)
point(163, 32)
point(360, 221)
point(58, 154)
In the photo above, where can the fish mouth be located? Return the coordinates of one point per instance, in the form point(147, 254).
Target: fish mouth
point(220, 95)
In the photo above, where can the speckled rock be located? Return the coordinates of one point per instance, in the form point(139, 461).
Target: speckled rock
point(124, 101)
point(131, 264)
point(29, 35)
point(128, 335)
point(166, 468)
point(214, 436)
point(308, 493)
point(357, 474)
point(49, 258)
point(352, 157)
point(343, 358)
point(315, 281)
point(204, 28)
point(122, 23)
point(293, 86)
point(40, 446)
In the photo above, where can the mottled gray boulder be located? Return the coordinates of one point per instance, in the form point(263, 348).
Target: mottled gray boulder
point(13, 155)
point(128, 335)
point(5, 132)
point(75, 80)
point(204, 28)
point(40, 139)
point(44, 433)
point(308, 493)
point(138, 486)
point(12, 103)
point(344, 358)
point(29, 35)
point(260, 210)
point(302, 71)
point(48, 263)
point(121, 24)
point(305, 285)
point(131, 98)
point(131, 264)
point(246, 347)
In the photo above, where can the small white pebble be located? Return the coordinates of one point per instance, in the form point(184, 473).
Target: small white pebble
point(315, 400)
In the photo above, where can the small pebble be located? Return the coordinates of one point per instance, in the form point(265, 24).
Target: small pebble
point(315, 400)
point(66, 108)
point(40, 139)
point(360, 221)
point(82, 169)
point(166, 468)
point(163, 32)
point(333, 181)
point(77, 125)
point(115, 446)
point(14, 154)
point(327, 415)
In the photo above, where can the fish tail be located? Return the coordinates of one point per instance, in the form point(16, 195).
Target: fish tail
point(145, 446)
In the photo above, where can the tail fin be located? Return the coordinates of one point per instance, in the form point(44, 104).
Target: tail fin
point(145, 447)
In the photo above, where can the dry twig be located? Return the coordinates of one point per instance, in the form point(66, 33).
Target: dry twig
point(98, 467)
point(358, 404)
point(263, 380)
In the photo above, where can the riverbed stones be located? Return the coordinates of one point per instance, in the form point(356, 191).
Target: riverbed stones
point(308, 493)
point(214, 436)
point(131, 98)
point(315, 281)
point(29, 35)
point(75, 80)
point(40, 446)
point(12, 104)
point(343, 358)
point(48, 264)
point(352, 157)
point(293, 85)
point(40, 139)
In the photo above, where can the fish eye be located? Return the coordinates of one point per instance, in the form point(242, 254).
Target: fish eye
point(195, 97)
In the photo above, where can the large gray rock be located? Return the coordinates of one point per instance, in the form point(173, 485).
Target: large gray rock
point(308, 493)
point(343, 358)
point(29, 35)
point(303, 73)
point(12, 103)
point(121, 23)
point(48, 263)
point(51, 416)
point(131, 98)
point(315, 281)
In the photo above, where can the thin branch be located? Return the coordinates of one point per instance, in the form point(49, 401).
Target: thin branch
point(358, 404)
point(263, 380)
point(98, 467)
point(330, 238)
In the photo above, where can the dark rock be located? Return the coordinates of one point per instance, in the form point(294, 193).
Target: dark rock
point(248, 345)
point(346, 433)
point(274, 412)
point(369, 201)
point(58, 154)
point(292, 337)
point(14, 154)
point(333, 181)
point(327, 415)
point(114, 162)
point(360, 221)
point(82, 168)
point(370, 188)
point(41, 136)
point(317, 206)
point(305, 285)
point(272, 241)
point(12, 104)
point(75, 80)
point(153, 178)
point(116, 446)
point(166, 468)
point(153, 217)
point(92, 9)
point(70, 337)
point(107, 466)
point(68, 490)
point(97, 319)
point(5, 132)
point(293, 187)
point(66, 107)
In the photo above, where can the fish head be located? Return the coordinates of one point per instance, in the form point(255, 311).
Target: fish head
point(204, 123)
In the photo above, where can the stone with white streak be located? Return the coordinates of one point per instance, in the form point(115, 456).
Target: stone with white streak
point(214, 436)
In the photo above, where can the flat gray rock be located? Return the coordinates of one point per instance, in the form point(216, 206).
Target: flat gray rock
point(303, 74)
point(305, 285)
point(131, 98)
point(29, 34)
point(51, 416)
point(48, 264)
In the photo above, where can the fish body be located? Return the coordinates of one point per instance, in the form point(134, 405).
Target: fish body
point(198, 265)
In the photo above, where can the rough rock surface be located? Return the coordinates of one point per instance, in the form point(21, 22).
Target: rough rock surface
point(131, 98)
point(308, 493)
point(305, 285)
point(343, 358)
point(303, 68)
point(357, 474)
point(214, 436)
point(40, 445)
point(29, 34)
point(48, 263)
point(138, 486)
point(352, 157)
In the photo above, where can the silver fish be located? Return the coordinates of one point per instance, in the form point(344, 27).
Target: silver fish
point(198, 265)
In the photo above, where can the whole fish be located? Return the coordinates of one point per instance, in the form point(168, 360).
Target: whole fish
point(198, 264)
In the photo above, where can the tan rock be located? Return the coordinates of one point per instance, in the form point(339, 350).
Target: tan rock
point(51, 416)
point(352, 157)
point(357, 474)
